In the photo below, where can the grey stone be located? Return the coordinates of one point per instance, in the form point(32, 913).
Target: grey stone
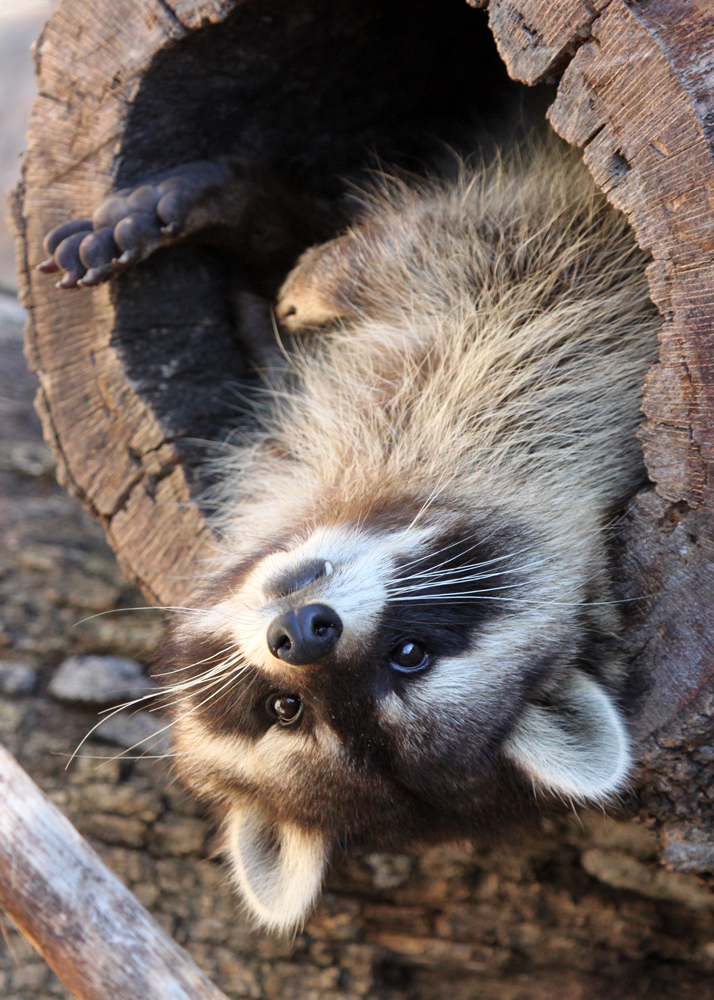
point(99, 680)
point(16, 678)
point(141, 732)
point(31, 459)
point(389, 870)
point(685, 856)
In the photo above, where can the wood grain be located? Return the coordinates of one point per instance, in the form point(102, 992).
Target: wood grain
point(637, 95)
point(104, 436)
point(93, 932)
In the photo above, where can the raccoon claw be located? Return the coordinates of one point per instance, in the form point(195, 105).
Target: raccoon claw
point(128, 258)
point(70, 280)
point(61, 244)
point(67, 259)
point(128, 226)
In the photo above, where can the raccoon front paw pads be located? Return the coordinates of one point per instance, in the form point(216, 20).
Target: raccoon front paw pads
point(128, 226)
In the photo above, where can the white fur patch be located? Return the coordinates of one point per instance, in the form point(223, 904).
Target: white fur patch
point(361, 564)
point(274, 762)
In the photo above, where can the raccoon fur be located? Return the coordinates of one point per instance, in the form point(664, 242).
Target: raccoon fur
point(410, 631)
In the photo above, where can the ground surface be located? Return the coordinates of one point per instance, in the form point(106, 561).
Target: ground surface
point(578, 909)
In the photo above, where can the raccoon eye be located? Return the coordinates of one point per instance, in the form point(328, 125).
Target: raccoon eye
point(286, 708)
point(408, 657)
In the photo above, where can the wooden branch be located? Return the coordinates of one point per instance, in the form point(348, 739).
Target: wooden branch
point(91, 930)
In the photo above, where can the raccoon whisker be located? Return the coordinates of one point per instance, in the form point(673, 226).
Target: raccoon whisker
point(545, 602)
point(474, 594)
point(467, 595)
point(120, 756)
point(153, 736)
point(108, 714)
point(456, 574)
point(217, 671)
point(200, 684)
point(198, 663)
point(445, 579)
point(144, 607)
point(151, 696)
point(445, 594)
point(453, 571)
point(205, 701)
point(247, 689)
point(436, 492)
point(445, 562)
point(445, 548)
point(437, 570)
point(206, 682)
point(178, 670)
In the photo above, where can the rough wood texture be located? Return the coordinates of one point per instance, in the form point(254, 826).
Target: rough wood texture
point(131, 372)
point(99, 940)
point(106, 439)
point(638, 96)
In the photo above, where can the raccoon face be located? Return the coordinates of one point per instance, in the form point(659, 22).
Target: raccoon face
point(371, 684)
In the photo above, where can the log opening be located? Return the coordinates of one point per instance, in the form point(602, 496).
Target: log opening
point(322, 93)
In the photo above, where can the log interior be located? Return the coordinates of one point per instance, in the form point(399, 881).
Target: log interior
point(320, 92)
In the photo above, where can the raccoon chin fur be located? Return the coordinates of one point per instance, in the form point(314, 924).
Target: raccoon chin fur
point(435, 472)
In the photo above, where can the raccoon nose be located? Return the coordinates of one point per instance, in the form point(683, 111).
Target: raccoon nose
point(306, 635)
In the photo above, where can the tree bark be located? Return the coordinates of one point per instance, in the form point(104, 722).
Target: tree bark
point(636, 94)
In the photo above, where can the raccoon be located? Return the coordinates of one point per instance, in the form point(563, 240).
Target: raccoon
point(410, 634)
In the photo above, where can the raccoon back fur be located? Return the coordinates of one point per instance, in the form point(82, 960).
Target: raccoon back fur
point(411, 632)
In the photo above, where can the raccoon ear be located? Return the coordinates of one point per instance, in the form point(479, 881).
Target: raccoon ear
point(278, 867)
point(577, 746)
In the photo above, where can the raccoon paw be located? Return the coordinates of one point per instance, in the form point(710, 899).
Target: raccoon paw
point(128, 226)
point(311, 295)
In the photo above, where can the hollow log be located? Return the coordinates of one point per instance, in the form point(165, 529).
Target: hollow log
point(134, 372)
point(637, 94)
point(93, 932)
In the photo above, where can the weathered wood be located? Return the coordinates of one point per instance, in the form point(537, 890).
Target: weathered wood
point(93, 932)
point(638, 96)
point(106, 439)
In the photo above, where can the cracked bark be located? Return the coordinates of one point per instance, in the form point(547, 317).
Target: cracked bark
point(637, 96)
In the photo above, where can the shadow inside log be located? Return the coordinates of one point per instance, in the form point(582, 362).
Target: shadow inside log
point(321, 92)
